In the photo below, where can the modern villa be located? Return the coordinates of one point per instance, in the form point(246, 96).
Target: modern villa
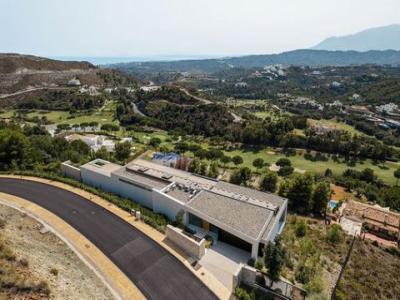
point(240, 216)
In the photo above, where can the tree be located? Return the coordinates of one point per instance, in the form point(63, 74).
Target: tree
point(123, 150)
point(328, 173)
point(102, 153)
point(285, 171)
point(213, 170)
point(269, 181)
point(155, 142)
point(300, 192)
point(109, 127)
point(397, 175)
point(203, 168)
point(225, 160)
point(274, 257)
point(237, 160)
point(80, 147)
point(282, 162)
point(258, 163)
point(194, 166)
point(241, 176)
point(213, 154)
point(321, 196)
point(368, 175)
point(14, 147)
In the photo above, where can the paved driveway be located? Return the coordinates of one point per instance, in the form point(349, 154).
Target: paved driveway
point(157, 273)
point(222, 260)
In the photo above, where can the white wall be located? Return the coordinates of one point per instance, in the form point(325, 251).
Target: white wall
point(114, 185)
point(164, 204)
point(138, 194)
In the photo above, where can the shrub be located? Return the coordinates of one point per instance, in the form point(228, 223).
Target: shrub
point(335, 234)
point(300, 228)
point(251, 262)
point(242, 294)
point(54, 271)
point(24, 262)
point(258, 265)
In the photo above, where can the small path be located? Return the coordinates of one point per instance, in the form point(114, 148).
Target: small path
point(136, 110)
point(3, 96)
point(205, 101)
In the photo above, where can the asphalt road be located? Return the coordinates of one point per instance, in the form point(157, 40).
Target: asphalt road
point(157, 273)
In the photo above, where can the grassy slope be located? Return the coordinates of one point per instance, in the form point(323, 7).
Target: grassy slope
point(372, 273)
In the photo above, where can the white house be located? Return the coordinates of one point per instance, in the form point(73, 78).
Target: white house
point(243, 217)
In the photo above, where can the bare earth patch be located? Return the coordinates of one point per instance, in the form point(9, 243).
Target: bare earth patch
point(50, 258)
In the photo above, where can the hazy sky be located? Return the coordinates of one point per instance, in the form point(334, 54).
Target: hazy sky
point(182, 27)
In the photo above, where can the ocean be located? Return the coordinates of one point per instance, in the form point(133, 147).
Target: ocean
point(108, 60)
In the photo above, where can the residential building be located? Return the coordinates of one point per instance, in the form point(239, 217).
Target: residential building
point(377, 219)
point(95, 142)
point(240, 216)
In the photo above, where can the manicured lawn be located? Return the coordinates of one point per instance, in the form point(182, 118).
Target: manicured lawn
point(319, 167)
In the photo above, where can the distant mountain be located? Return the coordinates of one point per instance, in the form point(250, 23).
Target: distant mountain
point(297, 58)
point(381, 38)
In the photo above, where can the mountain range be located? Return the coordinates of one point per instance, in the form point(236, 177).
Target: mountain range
point(380, 38)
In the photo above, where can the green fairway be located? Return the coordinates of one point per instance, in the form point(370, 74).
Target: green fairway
point(299, 162)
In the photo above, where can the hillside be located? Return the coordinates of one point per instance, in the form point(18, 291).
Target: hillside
point(381, 38)
point(21, 72)
point(297, 57)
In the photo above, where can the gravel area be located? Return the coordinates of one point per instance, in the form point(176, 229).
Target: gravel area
point(51, 259)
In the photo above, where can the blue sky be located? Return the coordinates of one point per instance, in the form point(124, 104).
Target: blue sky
point(182, 27)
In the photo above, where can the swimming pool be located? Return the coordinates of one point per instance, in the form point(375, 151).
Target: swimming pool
point(332, 204)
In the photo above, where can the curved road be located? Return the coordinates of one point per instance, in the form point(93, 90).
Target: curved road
point(157, 273)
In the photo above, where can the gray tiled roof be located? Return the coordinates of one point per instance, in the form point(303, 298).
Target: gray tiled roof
point(244, 217)
point(252, 193)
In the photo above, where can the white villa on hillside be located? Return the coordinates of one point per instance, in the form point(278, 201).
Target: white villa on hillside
point(239, 216)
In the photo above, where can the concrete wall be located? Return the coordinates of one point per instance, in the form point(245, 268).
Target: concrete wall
point(188, 245)
point(97, 180)
point(69, 170)
point(166, 205)
point(131, 191)
point(114, 185)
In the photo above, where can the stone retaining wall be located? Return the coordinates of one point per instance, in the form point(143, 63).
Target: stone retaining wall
point(190, 246)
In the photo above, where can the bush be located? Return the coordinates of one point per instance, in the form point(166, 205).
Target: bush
point(242, 294)
point(251, 262)
point(24, 262)
point(54, 271)
point(258, 265)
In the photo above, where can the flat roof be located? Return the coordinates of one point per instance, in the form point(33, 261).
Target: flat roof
point(242, 216)
point(101, 166)
point(132, 175)
point(176, 175)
